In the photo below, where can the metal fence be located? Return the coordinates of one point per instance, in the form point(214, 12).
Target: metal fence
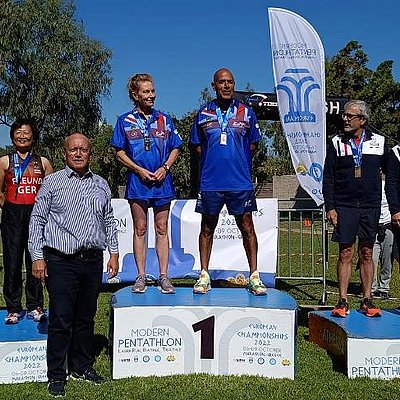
point(302, 246)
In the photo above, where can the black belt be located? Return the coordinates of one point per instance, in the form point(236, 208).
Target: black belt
point(82, 253)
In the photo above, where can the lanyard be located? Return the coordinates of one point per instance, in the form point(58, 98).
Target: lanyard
point(18, 168)
point(224, 119)
point(357, 150)
point(144, 124)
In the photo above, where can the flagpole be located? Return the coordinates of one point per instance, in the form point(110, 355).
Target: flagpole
point(325, 257)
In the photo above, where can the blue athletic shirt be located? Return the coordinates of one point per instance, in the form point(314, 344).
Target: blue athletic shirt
point(225, 167)
point(128, 135)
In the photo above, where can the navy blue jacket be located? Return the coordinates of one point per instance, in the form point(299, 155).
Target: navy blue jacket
point(392, 180)
point(340, 187)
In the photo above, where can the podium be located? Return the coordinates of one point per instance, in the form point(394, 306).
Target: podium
point(227, 331)
point(369, 347)
point(23, 351)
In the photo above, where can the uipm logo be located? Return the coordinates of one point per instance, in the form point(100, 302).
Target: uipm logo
point(299, 101)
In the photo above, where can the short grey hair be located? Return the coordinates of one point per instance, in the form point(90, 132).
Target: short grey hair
point(363, 108)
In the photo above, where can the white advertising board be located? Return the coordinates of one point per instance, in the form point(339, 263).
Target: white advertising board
point(23, 361)
point(214, 340)
point(379, 358)
point(228, 258)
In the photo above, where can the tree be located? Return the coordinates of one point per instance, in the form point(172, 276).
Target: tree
point(273, 156)
point(104, 161)
point(347, 75)
point(50, 70)
point(183, 174)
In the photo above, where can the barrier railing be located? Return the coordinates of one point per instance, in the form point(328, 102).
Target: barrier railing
point(303, 246)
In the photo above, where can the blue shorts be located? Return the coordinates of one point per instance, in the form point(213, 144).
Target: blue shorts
point(352, 222)
point(237, 202)
point(151, 203)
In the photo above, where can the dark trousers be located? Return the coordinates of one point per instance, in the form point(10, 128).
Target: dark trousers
point(14, 232)
point(73, 285)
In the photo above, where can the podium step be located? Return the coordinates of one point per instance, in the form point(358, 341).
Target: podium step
point(226, 331)
point(23, 351)
point(368, 347)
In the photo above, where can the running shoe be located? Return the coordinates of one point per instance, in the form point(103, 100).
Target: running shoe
point(166, 285)
point(90, 375)
point(140, 284)
point(203, 285)
point(256, 285)
point(12, 318)
point(37, 314)
point(341, 309)
point(369, 309)
point(56, 388)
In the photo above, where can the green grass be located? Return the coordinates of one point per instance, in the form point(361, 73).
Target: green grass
point(318, 376)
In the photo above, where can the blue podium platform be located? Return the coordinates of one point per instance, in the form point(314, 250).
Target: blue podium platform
point(216, 297)
point(368, 346)
point(22, 351)
point(226, 331)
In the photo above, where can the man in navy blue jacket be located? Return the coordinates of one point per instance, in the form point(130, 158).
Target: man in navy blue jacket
point(352, 194)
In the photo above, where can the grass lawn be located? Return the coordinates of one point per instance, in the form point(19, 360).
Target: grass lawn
point(318, 376)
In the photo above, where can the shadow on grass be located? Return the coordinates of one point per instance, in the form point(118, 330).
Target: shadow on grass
point(354, 287)
point(100, 344)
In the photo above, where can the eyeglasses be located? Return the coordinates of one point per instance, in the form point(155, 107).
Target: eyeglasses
point(350, 117)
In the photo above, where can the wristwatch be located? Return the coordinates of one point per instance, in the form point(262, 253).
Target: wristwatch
point(166, 167)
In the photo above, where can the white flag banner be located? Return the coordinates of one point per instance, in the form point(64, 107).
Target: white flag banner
point(299, 71)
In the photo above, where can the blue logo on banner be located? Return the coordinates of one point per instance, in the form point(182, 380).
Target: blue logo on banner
point(316, 172)
point(299, 101)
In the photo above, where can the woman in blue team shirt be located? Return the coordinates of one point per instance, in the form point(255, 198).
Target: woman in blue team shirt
point(148, 144)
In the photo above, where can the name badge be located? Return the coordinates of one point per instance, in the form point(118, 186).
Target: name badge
point(357, 172)
point(224, 138)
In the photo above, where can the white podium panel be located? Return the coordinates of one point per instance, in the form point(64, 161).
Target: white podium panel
point(226, 331)
point(23, 351)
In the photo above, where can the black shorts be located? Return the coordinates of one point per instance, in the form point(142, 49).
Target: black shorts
point(352, 222)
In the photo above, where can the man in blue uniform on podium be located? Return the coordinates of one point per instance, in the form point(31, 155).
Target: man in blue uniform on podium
point(225, 135)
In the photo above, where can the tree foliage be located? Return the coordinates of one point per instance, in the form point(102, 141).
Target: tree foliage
point(347, 75)
point(50, 70)
point(104, 162)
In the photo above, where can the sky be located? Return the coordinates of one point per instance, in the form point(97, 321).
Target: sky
point(181, 43)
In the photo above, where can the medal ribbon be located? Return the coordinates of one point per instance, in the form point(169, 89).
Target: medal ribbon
point(224, 119)
point(18, 168)
point(144, 125)
point(357, 150)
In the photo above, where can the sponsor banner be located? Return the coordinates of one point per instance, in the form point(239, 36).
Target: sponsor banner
point(228, 258)
point(213, 340)
point(377, 359)
point(23, 361)
point(299, 71)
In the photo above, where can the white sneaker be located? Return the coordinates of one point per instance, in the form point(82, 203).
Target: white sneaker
point(203, 285)
point(12, 318)
point(37, 314)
